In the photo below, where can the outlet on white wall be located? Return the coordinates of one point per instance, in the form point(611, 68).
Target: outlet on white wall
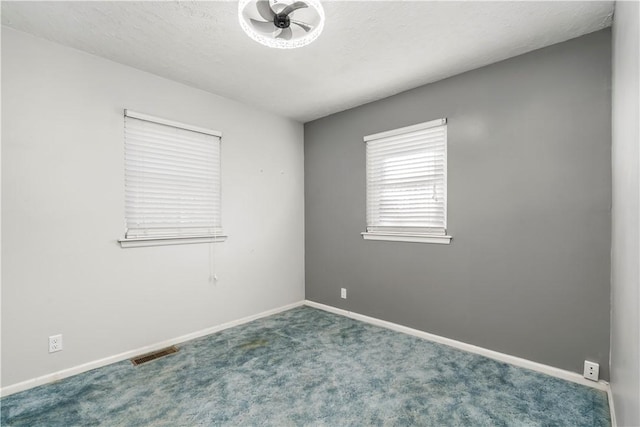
point(343, 293)
point(55, 343)
point(591, 370)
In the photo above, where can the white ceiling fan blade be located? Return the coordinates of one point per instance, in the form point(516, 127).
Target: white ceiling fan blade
point(263, 26)
point(264, 9)
point(285, 34)
point(304, 26)
point(297, 5)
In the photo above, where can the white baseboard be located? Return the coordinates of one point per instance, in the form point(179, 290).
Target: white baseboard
point(65, 373)
point(502, 357)
point(612, 409)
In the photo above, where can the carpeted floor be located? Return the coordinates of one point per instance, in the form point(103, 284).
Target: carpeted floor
point(309, 367)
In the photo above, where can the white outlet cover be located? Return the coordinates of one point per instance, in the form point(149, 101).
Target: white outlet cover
point(343, 293)
point(55, 343)
point(591, 370)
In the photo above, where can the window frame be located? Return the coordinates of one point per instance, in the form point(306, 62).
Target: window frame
point(417, 234)
point(160, 240)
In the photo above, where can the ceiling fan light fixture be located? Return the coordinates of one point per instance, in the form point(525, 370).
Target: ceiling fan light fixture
point(281, 24)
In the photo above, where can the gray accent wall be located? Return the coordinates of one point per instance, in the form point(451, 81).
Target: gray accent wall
point(529, 196)
point(625, 239)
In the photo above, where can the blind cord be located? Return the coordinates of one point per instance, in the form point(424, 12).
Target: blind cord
point(213, 276)
point(212, 267)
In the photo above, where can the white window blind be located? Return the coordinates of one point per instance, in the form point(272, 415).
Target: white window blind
point(407, 180)
point(172, 179)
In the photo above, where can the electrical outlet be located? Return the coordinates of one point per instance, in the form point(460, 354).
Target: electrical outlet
point(343, 293)
point(55, 343)
point(591, 370)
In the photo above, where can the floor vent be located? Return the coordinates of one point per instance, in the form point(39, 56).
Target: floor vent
point(155, 355)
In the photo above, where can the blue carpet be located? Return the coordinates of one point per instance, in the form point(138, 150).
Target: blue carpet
point(309, 367)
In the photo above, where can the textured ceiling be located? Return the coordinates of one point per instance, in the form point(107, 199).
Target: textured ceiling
point(368, 50)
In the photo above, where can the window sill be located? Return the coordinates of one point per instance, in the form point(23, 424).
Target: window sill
point(407, 237)
point(163, 241)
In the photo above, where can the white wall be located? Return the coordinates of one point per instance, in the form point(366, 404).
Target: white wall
point(63, 204)
point(625, 244)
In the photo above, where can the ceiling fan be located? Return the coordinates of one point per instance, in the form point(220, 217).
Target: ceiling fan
point(283, 24)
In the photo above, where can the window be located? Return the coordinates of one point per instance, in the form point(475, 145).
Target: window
point(407, 184)
point(172, 182)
